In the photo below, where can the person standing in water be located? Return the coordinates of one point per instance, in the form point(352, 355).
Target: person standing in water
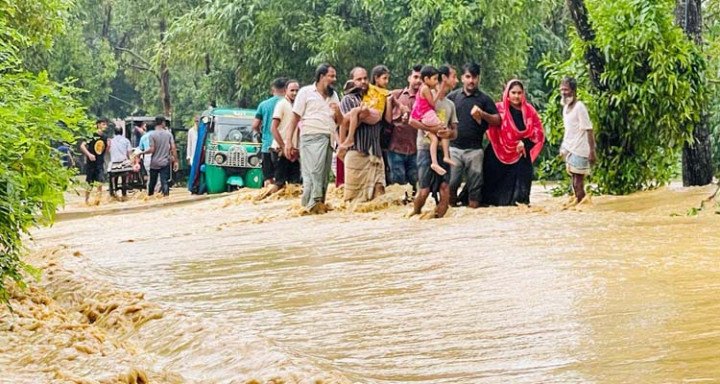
point(287, 169)
point(317, 107)
point(120, 150)
point(164, 157)
point(364, 166)
point(402, 150)
point(424, 111)
point(475, 110)
point(94, 150)
point(262, 124)
point(430, 181)
point(514, 145)
point(578, 145)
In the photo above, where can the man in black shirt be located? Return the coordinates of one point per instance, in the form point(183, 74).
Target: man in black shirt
point(94, 151)
point(475, 111)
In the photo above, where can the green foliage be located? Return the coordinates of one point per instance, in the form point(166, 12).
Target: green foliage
point(230, 51)
point(655, 91)
point(549, 44)
point(26, 23)
point(259, 40)
point(32, 179)
point(91, 66)
point(79, 55)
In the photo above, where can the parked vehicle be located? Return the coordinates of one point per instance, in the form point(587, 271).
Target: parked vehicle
point(230, 156)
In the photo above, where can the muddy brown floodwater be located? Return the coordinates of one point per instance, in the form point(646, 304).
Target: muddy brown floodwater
point(622, 290)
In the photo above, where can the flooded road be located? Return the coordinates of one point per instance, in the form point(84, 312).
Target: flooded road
point(625, 290)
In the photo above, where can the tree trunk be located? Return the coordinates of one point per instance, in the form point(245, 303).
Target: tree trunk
point(165, 88)
point(593, 56)
point(107, 22)
point(164, 73)
point(697, 166)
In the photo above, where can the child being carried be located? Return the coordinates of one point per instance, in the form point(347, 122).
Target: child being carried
point(369, 112)
point(424, 112)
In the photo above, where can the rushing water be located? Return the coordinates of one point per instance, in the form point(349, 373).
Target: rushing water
point(626, 290)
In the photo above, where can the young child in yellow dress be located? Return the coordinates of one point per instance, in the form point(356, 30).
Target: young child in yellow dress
point(371, 109)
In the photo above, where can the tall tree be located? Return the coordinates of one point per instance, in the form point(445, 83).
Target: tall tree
point(595, 60)
point(83, 53)
point(697, 162)
point(156, 70)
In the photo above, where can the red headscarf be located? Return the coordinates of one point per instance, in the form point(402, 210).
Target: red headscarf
point(505, 138)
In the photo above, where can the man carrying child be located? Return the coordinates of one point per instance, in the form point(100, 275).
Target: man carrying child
point(364, 167)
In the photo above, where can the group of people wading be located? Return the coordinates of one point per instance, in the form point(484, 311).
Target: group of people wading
point(429, 134)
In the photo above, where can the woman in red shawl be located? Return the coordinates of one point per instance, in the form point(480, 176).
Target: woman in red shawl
point(514, 146)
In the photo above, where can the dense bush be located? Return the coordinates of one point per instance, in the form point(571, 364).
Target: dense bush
point(32, 178)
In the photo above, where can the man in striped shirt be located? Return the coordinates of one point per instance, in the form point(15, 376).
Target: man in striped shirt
point(364, 167)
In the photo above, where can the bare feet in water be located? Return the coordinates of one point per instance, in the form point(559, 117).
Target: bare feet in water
point(410, 214)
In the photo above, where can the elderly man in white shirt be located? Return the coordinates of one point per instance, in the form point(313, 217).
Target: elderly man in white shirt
point(578, 145)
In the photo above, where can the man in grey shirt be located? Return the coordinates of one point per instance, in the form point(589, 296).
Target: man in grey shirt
point(428, 179)
point(164, 155)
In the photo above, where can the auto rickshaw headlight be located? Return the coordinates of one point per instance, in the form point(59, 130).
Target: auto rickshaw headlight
point(220, 158)
point(254, 161)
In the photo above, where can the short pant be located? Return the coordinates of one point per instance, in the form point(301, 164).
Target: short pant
point(426, 175)
point(94, 172)
point(578, 165)
point(286, 171)
point(268, 168)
